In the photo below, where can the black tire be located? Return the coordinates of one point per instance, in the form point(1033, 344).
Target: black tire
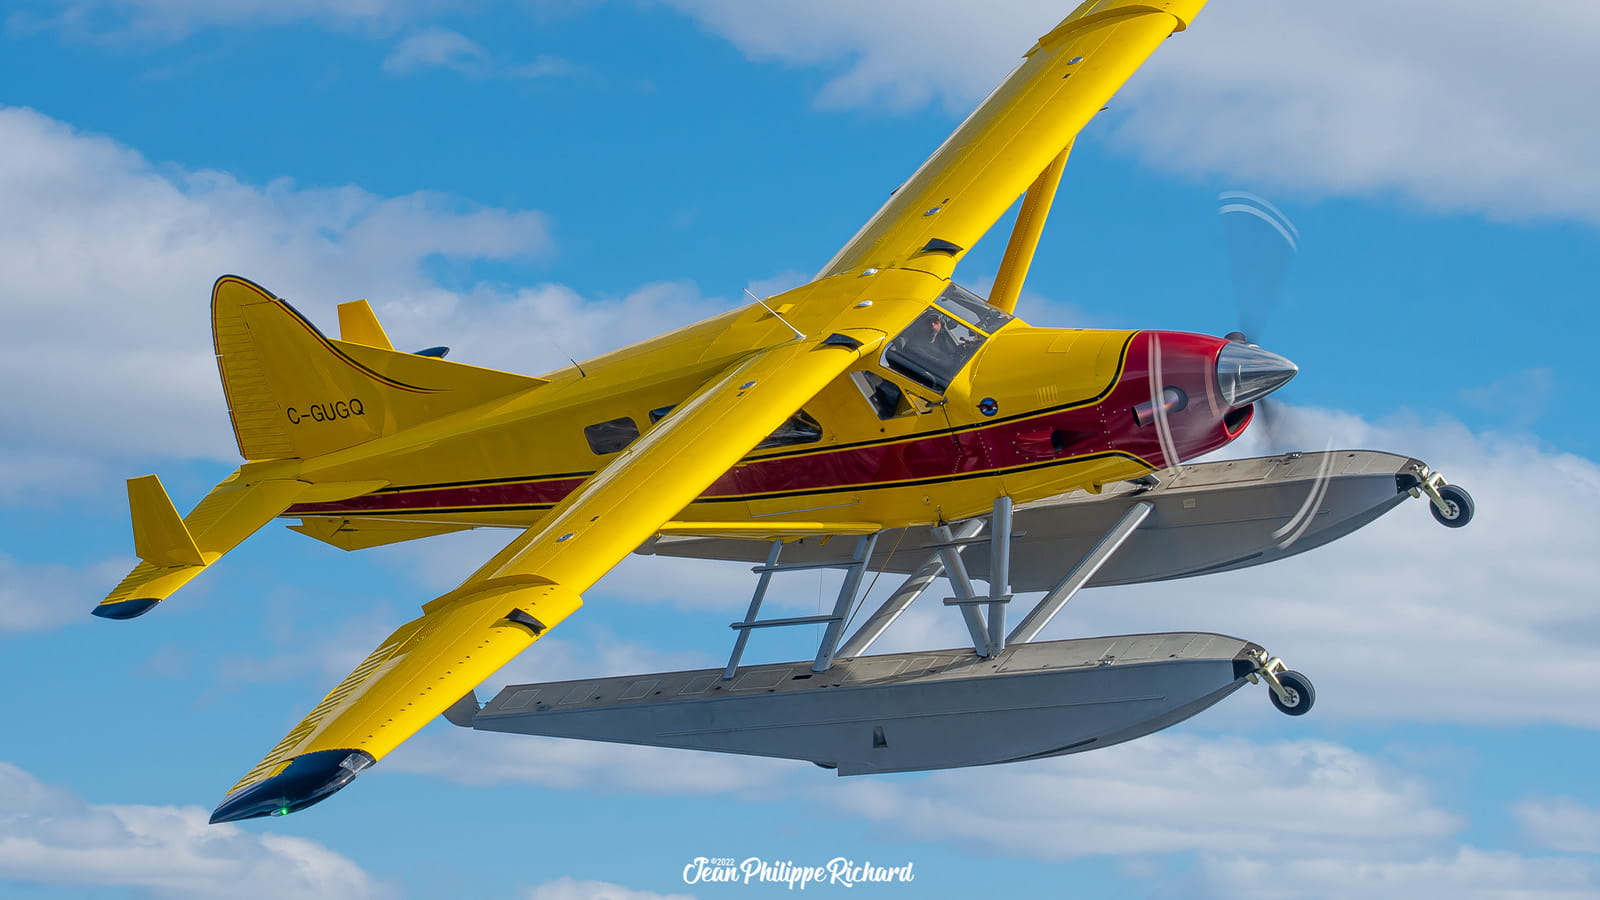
point(1460, 503)
point(1302, 694)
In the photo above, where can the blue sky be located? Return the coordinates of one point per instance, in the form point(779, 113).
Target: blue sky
point(529, 181)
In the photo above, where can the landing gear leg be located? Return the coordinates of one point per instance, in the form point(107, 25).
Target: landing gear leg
point(1450, 504)
point(1291, 692)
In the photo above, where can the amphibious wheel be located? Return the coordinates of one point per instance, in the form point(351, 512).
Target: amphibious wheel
point(1301, 694)
point(1459, 503)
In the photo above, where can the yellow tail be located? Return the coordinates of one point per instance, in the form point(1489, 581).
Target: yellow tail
point(295, 393)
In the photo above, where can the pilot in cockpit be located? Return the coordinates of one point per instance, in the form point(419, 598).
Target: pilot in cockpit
point(933, 348)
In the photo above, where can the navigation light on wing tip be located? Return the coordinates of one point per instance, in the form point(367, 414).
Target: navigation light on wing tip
point(308, 779)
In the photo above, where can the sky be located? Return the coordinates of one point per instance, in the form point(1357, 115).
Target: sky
point(531, 181)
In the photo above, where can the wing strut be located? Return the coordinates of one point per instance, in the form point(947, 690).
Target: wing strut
point(1025, 234)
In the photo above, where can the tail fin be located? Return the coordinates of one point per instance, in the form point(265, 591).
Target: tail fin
point(294, 393)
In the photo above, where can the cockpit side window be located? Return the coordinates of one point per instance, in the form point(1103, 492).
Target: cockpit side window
point(933, 349)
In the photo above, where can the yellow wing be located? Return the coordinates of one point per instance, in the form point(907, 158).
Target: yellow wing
point(535, 582)
point(992, 158)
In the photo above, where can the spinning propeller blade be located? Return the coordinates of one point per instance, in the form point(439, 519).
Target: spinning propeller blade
point(1262, 242)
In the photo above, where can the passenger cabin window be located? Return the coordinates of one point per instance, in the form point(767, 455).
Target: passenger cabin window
point(612, 436)
point(800, 429)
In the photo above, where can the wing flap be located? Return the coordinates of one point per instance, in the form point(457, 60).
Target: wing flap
point(364, 533)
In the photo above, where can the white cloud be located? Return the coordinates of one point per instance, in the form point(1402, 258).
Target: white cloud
point(436, 48)
point(1439, 102)
point(1168, 793)
point(107, 259)
point(485, 757)
point(441, 48)
point(538, 328)
point(1467, 873)
point(1560, 823)
point(1297, 819)
point(50, 836)
point(37, 476)
point(1518, 399)
point(41, 597)
point(312, 649)
point(107, 262)
point(574, 889)
point(895, 54)
point(1405, 620)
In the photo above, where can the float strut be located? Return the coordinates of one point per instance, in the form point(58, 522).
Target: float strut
point(909, 590)
point(999, 572)
point(1053, 602)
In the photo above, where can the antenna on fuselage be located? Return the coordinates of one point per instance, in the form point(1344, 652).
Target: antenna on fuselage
point(575, 364)
point(797, 332)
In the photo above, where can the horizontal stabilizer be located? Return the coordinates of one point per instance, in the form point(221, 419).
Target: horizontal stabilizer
point(159, 535)
point(173, 551)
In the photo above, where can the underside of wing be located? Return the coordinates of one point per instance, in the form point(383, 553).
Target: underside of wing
point(993, 157)
point(536, 581)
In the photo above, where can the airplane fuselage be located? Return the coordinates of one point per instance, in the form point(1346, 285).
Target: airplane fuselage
point(1029, 413)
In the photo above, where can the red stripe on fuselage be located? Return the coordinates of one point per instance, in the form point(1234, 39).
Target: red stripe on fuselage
point(1057, 435)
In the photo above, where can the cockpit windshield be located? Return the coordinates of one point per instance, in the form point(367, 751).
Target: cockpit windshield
point(973, 308)
point(938, 344)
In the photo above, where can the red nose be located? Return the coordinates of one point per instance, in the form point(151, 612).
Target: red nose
point(1182, 410)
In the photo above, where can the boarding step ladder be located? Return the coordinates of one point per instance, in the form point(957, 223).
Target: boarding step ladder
point(854, 566)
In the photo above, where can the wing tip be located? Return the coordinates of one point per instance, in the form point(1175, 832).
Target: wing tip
point(308, 780)
point(125, 609)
